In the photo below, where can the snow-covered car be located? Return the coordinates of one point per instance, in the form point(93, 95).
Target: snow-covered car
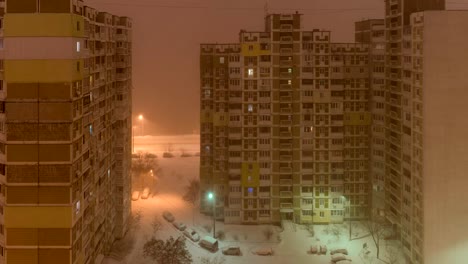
point(264, 252)
point(323, 249)
point(192, 234)
point(314, 249)
point(135, 195)
point(180, 226)
point(232, 251)
point(339, 250)
point(209, 243)
point(168, 216)
point(145, 194)
point(338, 257)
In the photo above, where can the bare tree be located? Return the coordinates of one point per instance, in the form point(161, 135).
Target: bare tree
point(192, 195)
point(170, 251)
point(156, 225)
point(377, 228)
point(143, 165)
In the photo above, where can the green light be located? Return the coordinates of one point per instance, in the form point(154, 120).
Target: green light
point(210, 195)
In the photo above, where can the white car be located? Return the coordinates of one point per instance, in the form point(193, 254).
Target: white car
point(264, 252)
point(135, 195)
point(192, 234)
point(145, 194)
point(338, 257)
point(180, 226)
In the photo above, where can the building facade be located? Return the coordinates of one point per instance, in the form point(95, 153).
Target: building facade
point(285, 126)
point(65, 131)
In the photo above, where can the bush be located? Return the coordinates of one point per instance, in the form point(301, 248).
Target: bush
point(268, 233)
point(220, 235)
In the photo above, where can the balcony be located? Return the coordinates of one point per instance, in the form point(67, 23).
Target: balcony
point(285, 169)
point(285, 182)
point(286, 194)
point(286, 27)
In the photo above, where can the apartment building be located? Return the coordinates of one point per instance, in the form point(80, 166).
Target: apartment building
point(65, 131)
point(285, 126)
point(372, 31)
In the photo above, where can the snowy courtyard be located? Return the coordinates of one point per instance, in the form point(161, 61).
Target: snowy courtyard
point(289, 244)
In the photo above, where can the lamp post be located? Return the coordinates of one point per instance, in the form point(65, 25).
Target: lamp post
point(211, 196)
point(349, 211)
point(133, 139)
point(140, 117)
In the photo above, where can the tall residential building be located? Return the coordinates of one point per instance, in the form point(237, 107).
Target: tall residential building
point(65, 131)
point(409, 123)
point(285, 126)
point(372, 31)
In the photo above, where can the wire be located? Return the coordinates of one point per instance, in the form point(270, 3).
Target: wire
point(148, 4)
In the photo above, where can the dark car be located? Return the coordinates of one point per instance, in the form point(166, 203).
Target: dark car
point(168, 216)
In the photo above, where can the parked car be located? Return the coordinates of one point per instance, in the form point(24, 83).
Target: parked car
point(209, 243)
point(338, 257)
point(232, 251)
point(168, 155)
point(192, 234)
point(264, 252)
point(339, 250)
point(314, 249)
point(179, 225)
point(135, 195)
point(145, 194)
point(186, 155)
point(168, 216)
point(323, 249)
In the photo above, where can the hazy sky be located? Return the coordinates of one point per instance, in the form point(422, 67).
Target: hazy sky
point(167, 34)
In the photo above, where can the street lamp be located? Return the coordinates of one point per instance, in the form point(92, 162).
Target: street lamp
point(152, 180)
point(211, 196)
point(140, 117)
point(349, 211)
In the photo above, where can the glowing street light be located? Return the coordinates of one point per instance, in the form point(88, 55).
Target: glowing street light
point(211, 197)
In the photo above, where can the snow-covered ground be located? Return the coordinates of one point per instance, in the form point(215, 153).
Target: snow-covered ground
point(289, 245)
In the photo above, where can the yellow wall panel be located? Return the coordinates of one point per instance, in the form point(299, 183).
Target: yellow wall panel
point(43, 25)
point(44, 71)
point(21, 256)
point(254, 174)
point(38, 217)
point(253, 49)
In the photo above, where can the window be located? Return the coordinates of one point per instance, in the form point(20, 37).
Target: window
point(221, 60)
point(322, 214)
point(78, 46)
point(251, 72)
point(78, 26)
point(250, 108)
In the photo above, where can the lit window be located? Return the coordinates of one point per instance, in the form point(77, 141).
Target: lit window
point(77, 46)
point(250, 108)
point(77, 207)
point(207, 148)
point(289, 82)
point(251, 72)
point(250, 190)
point(289, 70)
point(221, 60)
point(91, 129)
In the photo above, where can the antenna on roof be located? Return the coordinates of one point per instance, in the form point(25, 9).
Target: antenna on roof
point(266, 9)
